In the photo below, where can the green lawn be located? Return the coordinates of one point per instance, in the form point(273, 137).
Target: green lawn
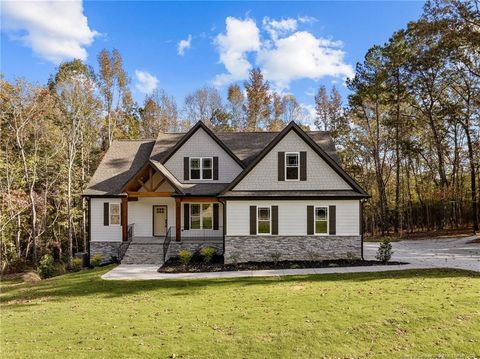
point(388, 315)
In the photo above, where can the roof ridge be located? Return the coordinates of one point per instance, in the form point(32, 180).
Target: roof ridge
point(133, 139)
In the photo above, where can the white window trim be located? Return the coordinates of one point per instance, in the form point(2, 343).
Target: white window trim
point(110, 215)
point(298, 165)
point(201, 217)
point(201, 168)
point(258, 219)
point(315, 221)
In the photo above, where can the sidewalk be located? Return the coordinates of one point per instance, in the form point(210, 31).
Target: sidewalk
point(457, 253)
point(146, 272)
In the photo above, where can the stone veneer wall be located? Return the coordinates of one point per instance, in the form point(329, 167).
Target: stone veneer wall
point(109, 250)
point(192, 246)
point(261, 248)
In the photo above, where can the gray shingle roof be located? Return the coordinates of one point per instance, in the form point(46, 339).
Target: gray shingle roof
point(121, 162)
point(293, 194)
point(126, 157)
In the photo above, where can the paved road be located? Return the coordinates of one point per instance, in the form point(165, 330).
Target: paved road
point(452, 252)
point(458, 253)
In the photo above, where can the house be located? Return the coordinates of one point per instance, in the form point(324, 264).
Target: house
point(250, 195)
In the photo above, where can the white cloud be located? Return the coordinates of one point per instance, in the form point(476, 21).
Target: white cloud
point(54, 30)
point(278, 28)
point(240, 37)
point(146, 82)
point(302, 55)
point(285, 54)
point(307, 19)
point(184, 45)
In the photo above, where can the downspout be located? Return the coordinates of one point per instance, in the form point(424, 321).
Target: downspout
point(224, 205)
point(89, 200)
point(361, 228)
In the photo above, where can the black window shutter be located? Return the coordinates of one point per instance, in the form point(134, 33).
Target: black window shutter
point(303, 166)
point(253, 219)
point(106, 214)
point(186, 216)
point(215, 216)
point(121, 214)
point(215, 168)
point(332, 219)
point(310, 220)
point(274, 219)
point(281, 166)
point(186, 168)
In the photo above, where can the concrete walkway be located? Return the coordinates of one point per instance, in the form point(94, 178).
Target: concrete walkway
point(420, 254)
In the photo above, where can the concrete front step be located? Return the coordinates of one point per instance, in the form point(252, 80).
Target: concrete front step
point(144, 253)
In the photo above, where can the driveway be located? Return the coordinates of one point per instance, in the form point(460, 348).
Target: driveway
point(459, 253)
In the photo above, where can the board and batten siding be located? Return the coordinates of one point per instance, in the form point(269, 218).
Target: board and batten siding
point(100, 232)
point(200, 144)
point(320, 176)
point(140, 214)
point(292, 216)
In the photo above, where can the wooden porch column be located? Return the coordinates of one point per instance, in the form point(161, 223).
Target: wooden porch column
point(178, 219)
point(124, 218)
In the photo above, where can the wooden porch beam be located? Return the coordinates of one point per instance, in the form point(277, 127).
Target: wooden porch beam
point(199, 199)
point(124, 218)
point(158, 185)
point(149, 194)
point(178, 219)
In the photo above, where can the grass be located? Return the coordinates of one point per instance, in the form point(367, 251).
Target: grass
point(407, 314)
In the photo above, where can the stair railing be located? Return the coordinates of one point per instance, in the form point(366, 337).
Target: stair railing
point(166, 243)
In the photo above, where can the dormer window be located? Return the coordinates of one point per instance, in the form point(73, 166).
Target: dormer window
point(201, 168)
point(292, 165)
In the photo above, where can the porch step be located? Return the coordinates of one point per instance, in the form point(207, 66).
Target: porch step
point(144, 253)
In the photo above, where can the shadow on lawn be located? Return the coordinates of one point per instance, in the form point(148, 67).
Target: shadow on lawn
point(89, 283)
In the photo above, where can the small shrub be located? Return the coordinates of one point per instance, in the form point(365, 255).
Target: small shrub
point(313, 257)
point(351, 257)
point(76, 264)
point(234, 259)
point(208, 253)
point(185, 257)
point(96, 260)
point(276, 257)
point(46, 267)
point(384, 252)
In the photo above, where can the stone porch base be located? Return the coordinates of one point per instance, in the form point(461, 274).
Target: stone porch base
point(110, 251)
point(263, 248)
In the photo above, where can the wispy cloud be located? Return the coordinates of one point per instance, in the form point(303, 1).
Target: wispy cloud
point(54, 30)
point(145, 82)
point(184, 45)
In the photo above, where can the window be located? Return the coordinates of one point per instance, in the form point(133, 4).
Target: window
point(201, 216)
point(292, 166)
point(114, 213)
point(321, 220)
point(264, 224)
point(201, 168)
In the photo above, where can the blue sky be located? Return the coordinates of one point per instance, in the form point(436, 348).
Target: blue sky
point(298, 45)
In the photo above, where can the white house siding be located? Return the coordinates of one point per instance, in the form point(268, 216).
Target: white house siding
point(140, 213)
point(292, 216)
point(99, 232)
point(320, 176)
point(200, 144)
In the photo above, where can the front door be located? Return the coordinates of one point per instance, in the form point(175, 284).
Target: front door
point(159, 220)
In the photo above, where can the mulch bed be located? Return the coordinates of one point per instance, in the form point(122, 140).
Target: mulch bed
point(173, 265)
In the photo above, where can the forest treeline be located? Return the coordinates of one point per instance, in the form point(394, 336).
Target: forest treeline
point(409, 132)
